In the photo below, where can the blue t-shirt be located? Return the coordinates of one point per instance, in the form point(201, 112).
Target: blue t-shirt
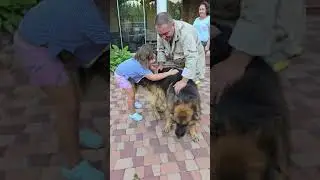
point(74, 25)
point(131, 68)
point(203, 28)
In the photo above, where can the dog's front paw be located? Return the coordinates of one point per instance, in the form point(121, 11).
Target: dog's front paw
point(195, 137)
point(167, 128)
point(156, 115)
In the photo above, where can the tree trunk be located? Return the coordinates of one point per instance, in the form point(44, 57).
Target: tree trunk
point(190, 10)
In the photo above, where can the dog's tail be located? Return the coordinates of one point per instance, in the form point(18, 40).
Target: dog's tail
point(237, 156)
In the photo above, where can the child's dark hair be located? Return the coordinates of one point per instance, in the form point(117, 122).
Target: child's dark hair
point(206, 5)
point(144, 55)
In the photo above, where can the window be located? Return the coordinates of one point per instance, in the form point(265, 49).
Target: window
point(137, 21)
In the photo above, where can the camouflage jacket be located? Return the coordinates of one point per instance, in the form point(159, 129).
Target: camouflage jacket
point(273, 29)
point(186, 51)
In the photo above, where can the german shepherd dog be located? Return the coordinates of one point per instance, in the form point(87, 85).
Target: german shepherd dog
point(182, 110)
point(249, 125)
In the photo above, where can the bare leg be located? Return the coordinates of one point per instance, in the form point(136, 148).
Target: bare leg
point(130, 93)
point(67, 106)
point(130, 100)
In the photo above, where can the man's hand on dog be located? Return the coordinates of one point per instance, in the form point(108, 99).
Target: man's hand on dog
point(226, 73)
point(180, 85)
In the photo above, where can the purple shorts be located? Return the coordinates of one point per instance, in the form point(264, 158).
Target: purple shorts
point(122, 82)
point(41, 68)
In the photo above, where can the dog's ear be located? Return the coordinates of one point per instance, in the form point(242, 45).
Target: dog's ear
point(195, 107)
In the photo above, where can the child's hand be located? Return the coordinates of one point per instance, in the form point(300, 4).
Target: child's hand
point(173, 71)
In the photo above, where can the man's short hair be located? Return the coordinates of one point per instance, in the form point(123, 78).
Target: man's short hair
point(163, 18)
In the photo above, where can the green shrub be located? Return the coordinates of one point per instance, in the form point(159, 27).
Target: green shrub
point(11, 13)
point(117, 56)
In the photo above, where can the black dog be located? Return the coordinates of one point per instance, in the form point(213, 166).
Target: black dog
point(249, 125)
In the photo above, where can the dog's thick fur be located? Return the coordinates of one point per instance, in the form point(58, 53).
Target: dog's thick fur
point(182, 110)
point(250, 128)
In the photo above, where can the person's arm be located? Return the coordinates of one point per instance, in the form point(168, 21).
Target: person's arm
point(158, 76)
point(208, 42)
point(253, 33)
point(194, 22)
point(191, 55)
point(147, 73)
point(161, 56)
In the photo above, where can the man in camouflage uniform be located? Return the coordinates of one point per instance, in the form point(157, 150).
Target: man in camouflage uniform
point(272, 29)
point(178, 46)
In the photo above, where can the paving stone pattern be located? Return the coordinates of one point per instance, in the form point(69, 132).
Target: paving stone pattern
point(142, 148)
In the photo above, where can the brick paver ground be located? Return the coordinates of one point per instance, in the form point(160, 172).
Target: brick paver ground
point(143, 148)
point(28, 147)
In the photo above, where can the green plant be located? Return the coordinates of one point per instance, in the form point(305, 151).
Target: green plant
point(117, 56)
point(11, 13)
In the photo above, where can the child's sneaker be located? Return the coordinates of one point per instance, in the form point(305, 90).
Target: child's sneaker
point(137, 105)
point(136, 117)
point(83, 171)
point(90, 139)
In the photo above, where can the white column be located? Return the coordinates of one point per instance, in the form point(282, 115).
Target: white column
point(144, 22)
point(119, 23)
point(161, 6)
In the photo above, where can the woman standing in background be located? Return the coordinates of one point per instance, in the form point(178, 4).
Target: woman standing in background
point(202, 24)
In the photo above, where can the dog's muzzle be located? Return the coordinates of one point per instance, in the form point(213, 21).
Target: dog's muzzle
point(180, 130)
